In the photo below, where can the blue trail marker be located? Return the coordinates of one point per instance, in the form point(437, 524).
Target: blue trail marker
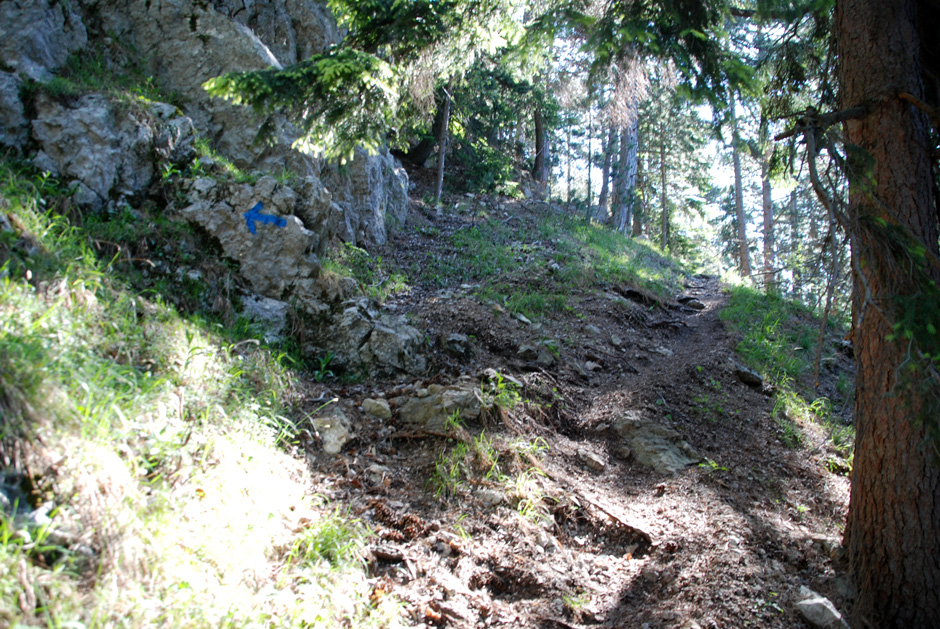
point(254, 215)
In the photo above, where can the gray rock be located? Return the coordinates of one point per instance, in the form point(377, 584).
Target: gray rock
point(593, 329)
point(457, 345)
point(748, 377)
point(364, 338)
point(394, 347)
point(377, 408)
point(592, 460)
point(527, 352)
point(334, 429)
point(371, 195)
point(693, 303)
point(545, 358)
point(39, 35)
point(653, 444)
point(490, 497)
point(278, 262)
point(441, 403)
point(292, 30)
point(14, 128)
point(616, 341)
point(87, 142)
point(819, 611)
point(105, 150)
point(270, 315)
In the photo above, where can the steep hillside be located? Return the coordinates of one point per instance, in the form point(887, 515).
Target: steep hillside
point(581, 403)
point(243, 387)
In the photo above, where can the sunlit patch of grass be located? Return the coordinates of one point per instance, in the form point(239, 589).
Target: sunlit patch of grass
point(153, 437)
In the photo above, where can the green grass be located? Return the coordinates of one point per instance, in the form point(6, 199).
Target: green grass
point(779, 338)
point(533, 270)
point(370, 272)
point(155, 434)
point(779, 335)
point(115, 69)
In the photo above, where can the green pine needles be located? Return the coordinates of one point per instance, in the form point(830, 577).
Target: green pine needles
point(341, 100)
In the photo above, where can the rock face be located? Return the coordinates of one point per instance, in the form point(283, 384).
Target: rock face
point(14, 128)
point(373, 194)
point(114, 151)
point(293, 30)
point(39, 35)
point(104, 151)
point(189, 42)
point(279, 261)
point(654, 445)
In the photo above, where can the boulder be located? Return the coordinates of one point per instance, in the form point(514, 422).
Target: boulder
point(457, 345)
point(377, 408)
point(278, 259)
point(14, 128)
point(654, 445)
point(363, 338)
point(592, 460)
point(748, 377)
point(442, 402)
point(39, 36)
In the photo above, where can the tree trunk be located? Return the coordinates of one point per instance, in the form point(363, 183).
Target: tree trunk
point(743, 255)
point(795, 258)
point(442, 152)
point(420, 152)
point(893, 527)
point(590, 159)
point(540, 169)
point(638, 207)
point(602, 214)
point(664, 231)
point(568, 155)
point(626, 192)
point(769, 275)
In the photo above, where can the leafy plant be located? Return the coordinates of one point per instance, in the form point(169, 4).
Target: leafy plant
point(322, 370)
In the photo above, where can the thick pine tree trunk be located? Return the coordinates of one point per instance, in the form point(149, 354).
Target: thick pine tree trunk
point(743, 254)
point(640, 202)
point(893, 528)
point(795, 248)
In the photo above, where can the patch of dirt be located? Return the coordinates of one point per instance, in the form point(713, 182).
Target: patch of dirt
point(726, 543)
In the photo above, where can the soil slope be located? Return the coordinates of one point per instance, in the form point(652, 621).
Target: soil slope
point(574, 531)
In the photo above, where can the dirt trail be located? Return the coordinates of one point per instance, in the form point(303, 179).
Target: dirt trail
point(558, 543)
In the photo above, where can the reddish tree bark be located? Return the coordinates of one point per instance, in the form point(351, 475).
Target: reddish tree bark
point(893, 528)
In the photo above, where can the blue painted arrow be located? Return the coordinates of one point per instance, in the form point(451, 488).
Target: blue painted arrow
point(254, 215)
